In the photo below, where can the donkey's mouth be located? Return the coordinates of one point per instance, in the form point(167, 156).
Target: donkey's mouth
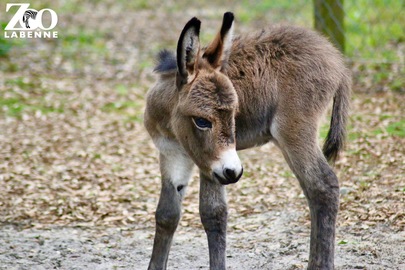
point(221, 180)
point(228, 180)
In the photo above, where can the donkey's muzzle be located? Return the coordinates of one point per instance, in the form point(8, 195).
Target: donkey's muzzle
point(230, 176)
point(228, 168)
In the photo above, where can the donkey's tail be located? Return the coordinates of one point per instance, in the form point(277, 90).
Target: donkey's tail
point(336, 137)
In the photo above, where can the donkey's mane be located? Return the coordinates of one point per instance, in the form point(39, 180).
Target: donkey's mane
point(165, 62)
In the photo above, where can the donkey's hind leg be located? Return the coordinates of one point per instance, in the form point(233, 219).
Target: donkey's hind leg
point(176, 171)
point(320, 186)
point(214, 214)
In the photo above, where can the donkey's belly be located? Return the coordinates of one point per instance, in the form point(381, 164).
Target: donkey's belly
point(244, 143)
point(253, 124)
point(252, 133)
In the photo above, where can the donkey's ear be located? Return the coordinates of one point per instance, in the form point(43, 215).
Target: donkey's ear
point(188, 48)
point(219, 50)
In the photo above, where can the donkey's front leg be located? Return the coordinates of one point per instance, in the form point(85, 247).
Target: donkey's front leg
point(176, 170)
point(214, 213)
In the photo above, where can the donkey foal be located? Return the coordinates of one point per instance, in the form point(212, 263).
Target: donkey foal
point(237, 93)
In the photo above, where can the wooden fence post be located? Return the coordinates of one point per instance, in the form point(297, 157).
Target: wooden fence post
point(328, 16)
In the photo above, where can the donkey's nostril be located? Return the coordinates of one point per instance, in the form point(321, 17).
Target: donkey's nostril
point(231, 175)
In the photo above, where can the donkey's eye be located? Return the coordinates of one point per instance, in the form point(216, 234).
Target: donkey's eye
point(202, 123)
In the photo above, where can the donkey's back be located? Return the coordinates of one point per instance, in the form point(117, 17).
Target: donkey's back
point(286, 60)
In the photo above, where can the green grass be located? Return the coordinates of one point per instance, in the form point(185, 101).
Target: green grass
point(25, 96)
point(287, 174)
point(121, 90)
point(21, 83)
point(393, 129)
point(343, 242)
point(247, 11)
point(28, 96)
point(16, 107)
point(80, 46)
point(323, 131)
point(130, 110)
point(371, 25)
point(397, 128)
point(7, 44)
point(12, 106)
point(82, 39)
point(120, 106)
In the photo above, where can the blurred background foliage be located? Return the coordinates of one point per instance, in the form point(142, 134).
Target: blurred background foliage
point(373, 28)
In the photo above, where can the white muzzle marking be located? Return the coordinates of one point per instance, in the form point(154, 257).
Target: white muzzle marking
point(228, 160)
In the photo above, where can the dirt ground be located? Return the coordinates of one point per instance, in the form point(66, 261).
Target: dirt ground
point(80, 179)
point(280, 243)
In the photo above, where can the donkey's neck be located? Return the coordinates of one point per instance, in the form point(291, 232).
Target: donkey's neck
point(162, 99)
point(256, 87)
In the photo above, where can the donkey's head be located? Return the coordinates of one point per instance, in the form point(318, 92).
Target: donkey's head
point(204, 119)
